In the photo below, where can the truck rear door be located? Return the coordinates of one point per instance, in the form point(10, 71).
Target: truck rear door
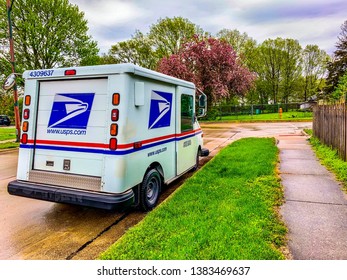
point(70, 131)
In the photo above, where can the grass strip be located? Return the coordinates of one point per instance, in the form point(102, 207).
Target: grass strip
point(9, 145)
point(330, 159)
point(227, 210)
point(7, 133)
point(273, 117)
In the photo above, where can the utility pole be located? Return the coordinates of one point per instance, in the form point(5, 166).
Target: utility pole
point(15, 92)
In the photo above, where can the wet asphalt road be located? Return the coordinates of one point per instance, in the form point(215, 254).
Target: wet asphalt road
point(36, 230)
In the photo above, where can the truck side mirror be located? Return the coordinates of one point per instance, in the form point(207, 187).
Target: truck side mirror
point(202, 105)
point(9, 82)
point(202, 101)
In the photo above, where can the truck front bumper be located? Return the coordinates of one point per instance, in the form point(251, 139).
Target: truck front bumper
point(108, 201)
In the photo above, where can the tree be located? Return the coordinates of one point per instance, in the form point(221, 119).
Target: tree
point(164, 39)
point(6, 101)
point(137, 50)
point(314, 69)
point(338, 67)
point(340, 90)
point(271, 66)
point(212, 65)
point(168, 35)
point(279, 69)
point(5, 65)
point(291, 67)
point(243, 45)
point(49, 33)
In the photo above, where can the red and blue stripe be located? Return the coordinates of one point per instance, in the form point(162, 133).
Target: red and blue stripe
point(102, 148)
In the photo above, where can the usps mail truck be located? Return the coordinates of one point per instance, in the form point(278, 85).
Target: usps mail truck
point(106, 136)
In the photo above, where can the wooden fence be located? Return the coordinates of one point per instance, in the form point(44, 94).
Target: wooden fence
point(329, 126)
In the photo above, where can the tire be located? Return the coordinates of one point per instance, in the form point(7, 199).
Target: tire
point(196, 166)
point(150, 190)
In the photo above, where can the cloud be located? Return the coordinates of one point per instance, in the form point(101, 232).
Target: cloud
point(310, 21)
point(293, 10)
point(111, 21)
point(109, 13)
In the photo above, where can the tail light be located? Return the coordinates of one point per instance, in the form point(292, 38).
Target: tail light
point(114, 115)
point(26, 114)
point(27, 100)
point(115, 99)
point(24, 138)
point(114, 118)
point(114, 129)
point(113, 144)
point(70, 72)
point(25, 126)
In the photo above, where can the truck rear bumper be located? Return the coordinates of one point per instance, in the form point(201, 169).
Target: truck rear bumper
point(106, 201)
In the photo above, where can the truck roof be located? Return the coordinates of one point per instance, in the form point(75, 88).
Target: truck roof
point(102, 70)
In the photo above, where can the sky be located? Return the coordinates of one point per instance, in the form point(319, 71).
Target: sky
point(315, 22)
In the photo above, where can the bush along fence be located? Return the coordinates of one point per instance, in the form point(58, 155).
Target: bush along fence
point(329, 126)
point(255, 109)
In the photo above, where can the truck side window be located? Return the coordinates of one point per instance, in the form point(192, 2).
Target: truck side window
point(187, 115)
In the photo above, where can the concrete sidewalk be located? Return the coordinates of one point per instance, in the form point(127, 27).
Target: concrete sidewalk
point(315, 208)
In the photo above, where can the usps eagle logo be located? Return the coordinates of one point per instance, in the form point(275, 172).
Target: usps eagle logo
point(71, 110)
point(160, 110)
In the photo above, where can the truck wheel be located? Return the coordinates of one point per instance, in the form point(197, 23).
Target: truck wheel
point(196, 166)
point(150, 190)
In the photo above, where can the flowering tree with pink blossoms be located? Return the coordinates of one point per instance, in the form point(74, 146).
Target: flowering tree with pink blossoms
point(212, 65)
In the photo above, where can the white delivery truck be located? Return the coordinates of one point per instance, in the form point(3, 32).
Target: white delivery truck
point(106, 136)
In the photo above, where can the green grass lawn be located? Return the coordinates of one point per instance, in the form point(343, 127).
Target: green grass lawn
point(7, 133)
point(9, 145)
point(274, 117)
point(226, 210)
